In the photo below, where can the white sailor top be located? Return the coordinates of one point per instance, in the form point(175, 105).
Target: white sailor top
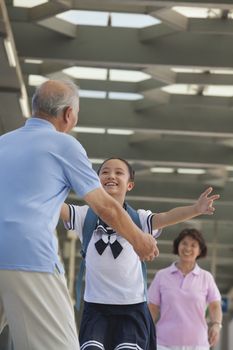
point(112, 280)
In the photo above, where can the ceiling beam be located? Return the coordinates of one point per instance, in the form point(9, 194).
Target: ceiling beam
point(144, 6)
point(49, 9)
point(160, 76)
point(151, 33)
point(189, 119)
point(190, 191)
point(205, 26)
point(206, 78)
point(161, 73)
point(114, 6)
point(211, 26)
point(109, 46)
point(171, 18)
point(174, 120)
point(60, 26)
point(157, 150)
point(108, 85)
point(153, 97)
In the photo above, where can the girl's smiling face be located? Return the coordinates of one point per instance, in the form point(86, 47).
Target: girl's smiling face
point(115, 178)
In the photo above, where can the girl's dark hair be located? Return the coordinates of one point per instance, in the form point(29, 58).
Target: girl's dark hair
point(195, 234)
point(130, 169)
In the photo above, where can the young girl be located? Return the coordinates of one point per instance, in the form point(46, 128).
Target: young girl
point(116, 315)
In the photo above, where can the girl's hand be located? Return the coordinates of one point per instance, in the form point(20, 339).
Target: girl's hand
point(204, 203)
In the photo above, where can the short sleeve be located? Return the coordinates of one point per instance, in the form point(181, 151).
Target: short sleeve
point(77, 218)
point(146, 217)
point(213, 291)
point(77, 167)
point(154, 290)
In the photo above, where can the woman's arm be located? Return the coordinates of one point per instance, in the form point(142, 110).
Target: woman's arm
point(154, 310)
point(215, 311)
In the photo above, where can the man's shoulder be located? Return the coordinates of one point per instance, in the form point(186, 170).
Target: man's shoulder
point(65, 136)
point(10, 133)
point(67, 140)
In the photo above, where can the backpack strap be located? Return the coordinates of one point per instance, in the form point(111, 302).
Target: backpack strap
point(135, 217)
point(88, 228)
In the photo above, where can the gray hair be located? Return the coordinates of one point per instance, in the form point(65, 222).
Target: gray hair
point(53, 96)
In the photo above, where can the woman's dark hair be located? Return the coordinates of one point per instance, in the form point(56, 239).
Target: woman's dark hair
point(130, 169)
point(195, 234)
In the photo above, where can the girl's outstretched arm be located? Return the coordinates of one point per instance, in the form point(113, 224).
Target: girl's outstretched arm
point(204, 205)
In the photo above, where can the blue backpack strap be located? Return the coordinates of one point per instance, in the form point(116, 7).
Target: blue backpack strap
point(133, 214)
point(135, 217)
point(88, 228)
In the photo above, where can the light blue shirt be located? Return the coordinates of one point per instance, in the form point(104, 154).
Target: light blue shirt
point(38, 167)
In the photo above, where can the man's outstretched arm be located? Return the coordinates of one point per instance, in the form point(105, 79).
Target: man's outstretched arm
point(116, 217)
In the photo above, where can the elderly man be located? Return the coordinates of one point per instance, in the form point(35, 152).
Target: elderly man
point(40, 163)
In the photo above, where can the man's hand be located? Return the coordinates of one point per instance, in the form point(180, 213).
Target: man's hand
point(146, 247)
point(204, 203)
point(118, 219)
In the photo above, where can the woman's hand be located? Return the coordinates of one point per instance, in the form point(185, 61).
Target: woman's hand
point(214, 334)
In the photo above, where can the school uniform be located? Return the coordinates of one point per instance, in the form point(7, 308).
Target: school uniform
point(115, 314)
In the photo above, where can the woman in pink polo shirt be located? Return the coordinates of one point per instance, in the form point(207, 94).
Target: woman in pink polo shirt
point(179, 296)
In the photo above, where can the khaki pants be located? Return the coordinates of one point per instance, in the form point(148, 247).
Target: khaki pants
point(38, 309)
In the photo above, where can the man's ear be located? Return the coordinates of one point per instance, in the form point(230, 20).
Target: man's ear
point(64, 120)
point(130, 186)
point(66, 114)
